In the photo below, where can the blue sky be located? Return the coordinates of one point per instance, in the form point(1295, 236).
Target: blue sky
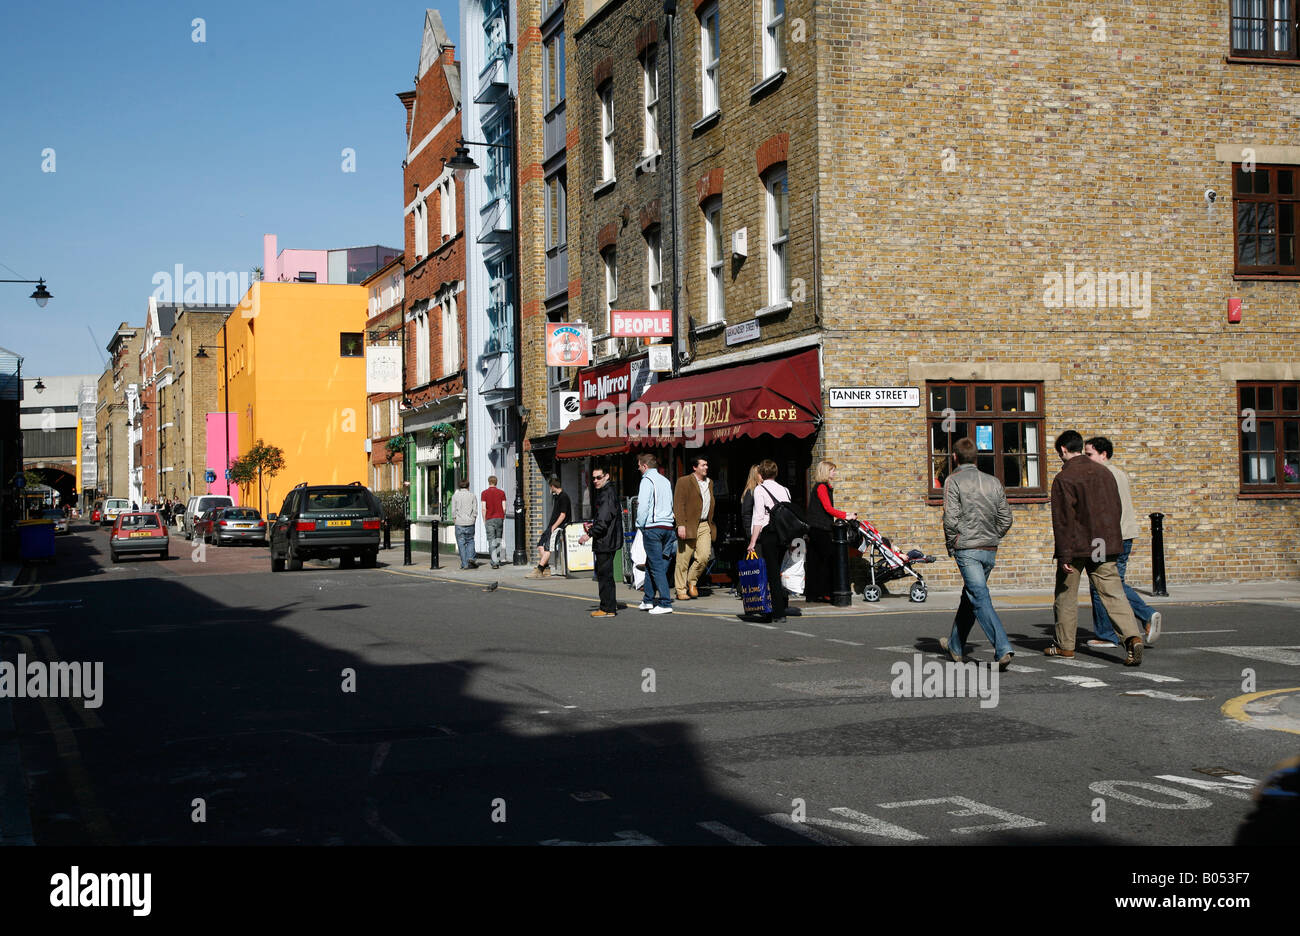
point(170, 151)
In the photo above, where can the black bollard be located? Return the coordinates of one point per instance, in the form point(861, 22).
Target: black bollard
point(433, 545)
point(841, 593)
point(406, 541)
point(1158, 555)
point(388, 534)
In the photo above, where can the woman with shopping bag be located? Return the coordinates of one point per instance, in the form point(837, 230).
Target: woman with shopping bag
point(764, 538)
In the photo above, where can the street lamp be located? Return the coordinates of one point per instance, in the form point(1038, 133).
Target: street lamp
point(39, 386)
point(462, 164)
point(40, 293)
point(225, 417)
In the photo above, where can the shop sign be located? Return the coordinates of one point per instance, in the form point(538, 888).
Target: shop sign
point(602, 384)
point(641, 323)
point(661, 358)
point(383, 369)
point(567, 345)
point(873, 396)
point(745, 331)
point(428, 454)
point(570, 408)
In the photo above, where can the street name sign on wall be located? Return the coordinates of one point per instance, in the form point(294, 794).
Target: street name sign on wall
point(873, 396)
point(745, 331)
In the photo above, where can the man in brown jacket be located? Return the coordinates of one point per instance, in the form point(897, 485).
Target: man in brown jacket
point(1086, 512)
point(693, 504)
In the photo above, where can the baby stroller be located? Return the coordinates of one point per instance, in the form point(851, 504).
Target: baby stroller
point(887, 564)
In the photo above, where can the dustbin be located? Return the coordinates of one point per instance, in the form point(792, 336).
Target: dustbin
point(35, 539)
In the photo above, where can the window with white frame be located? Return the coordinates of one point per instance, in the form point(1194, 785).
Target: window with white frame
point(709, 57)
point(394, 416)
point(778, 237)
point(607, 132)
point(773, 37)
point(610, 260)
point(654, 270)
point(447, 202)
point(422, 375)
point(375, 430)
point(421, 219)
point(450, 336)
point(713, 255)
point(650, 86)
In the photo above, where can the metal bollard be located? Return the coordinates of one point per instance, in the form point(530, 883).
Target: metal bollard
point(433, 546)
point(841, 591)
point(1158, 555)
point(406, 541)
point(388, 534)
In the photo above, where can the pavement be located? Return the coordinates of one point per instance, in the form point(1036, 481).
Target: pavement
point(722, 601)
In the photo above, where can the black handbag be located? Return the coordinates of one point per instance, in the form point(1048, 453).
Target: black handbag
point(785, 520)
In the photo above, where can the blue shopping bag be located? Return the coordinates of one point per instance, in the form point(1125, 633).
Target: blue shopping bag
point(754, 592)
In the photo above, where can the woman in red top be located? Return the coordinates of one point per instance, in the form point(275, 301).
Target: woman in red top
point(821, 513)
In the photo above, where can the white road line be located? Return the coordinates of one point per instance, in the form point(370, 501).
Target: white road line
point(851, 643)
point(907, 650)
point(785, 822)
point(800, 634)
point(728, 833)
point(1080, 664)
point(1157, 694)
point(1154, 677)
point(1168, 631)
point(1083, 682)
point(756, 624)
point(1017, 668)
point(1288, 656)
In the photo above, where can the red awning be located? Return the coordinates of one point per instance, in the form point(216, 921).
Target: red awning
point(772, 398)
point(586, 436)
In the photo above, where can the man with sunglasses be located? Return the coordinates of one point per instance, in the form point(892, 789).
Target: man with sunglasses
point(606, 532)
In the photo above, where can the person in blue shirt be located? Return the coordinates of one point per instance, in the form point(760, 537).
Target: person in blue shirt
point(654, 518)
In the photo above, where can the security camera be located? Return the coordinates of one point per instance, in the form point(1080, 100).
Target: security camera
point(1211, 195)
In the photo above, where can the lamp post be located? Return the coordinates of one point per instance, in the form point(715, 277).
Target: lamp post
point(40, 293)
point(462, 164)
point(225, 417)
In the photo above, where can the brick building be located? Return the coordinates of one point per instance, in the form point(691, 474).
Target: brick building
point(434, 420)
point(192, 397)
point(111, 429)
point(157, 425)
point(384, 326)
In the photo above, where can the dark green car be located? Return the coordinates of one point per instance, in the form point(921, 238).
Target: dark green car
point(321, 521)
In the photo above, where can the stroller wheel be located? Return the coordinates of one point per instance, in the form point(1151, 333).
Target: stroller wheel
point(871, 592)
point(919, 591)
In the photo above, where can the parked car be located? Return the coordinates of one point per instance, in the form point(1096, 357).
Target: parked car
point(232, 525)
point(199, 504)
point(58, 517)
point(138, 532)
point(326, 520)
point(114, 506)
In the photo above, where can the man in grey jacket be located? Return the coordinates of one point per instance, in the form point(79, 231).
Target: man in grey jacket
point(463, 511)
point(975, 518)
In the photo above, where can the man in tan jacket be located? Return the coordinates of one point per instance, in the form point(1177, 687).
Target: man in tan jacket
point(693, 504)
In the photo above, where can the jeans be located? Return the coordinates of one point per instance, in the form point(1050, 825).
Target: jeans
point(1102, 626)
point(494, 527)
point(656, 577)
point(976, 604)
point(464, 544)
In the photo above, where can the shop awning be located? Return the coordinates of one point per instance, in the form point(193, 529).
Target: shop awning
point(771, 398)
point(586, 436)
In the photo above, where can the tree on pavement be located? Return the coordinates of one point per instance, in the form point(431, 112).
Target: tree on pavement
point(262, 462)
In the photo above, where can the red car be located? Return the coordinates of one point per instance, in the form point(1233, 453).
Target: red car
point(140, 532)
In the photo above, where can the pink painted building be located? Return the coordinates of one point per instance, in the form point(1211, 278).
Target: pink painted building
point(347, 265)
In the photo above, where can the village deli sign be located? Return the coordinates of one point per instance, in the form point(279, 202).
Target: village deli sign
point(641, 323)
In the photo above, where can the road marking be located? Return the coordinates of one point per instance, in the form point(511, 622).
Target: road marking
point(971, 808)
point(908, 650)
point(626, 837)
point(1236, 788)
point(801, 828)
point(87, 717)
point(1169, 696)
point(1079, 664)
point(764, 626)
point(1084, 682)
point(1287, 656)
point(728, 833)
point(1017, 668)
point(1232, 630)
point(1263, 710)
point(851, 643)
point(1154, 677)
point(1111, 788)
point(800, 633)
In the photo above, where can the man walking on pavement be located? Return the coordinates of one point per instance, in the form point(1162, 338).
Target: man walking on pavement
point(1086, 526)
point(976, 517)
point(654, 518)
point(463, 512)
point(1099, 449)
point(494, 519)
point(606, 534)
point(693, 507)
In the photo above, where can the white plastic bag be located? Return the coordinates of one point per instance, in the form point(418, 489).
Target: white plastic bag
point(638, 561)
point(792, 567)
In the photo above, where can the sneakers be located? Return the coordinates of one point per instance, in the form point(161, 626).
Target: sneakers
point(1055, 651)
point(1153, 627)
point(1005, 662)
point(1102, 643)
point(943, 642)
point(662, 609)
point(538, 572)
point(644, 606)
point(600, 614)
point(1134, 652)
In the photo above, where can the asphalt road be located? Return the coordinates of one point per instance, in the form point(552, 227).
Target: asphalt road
point(379, 706)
